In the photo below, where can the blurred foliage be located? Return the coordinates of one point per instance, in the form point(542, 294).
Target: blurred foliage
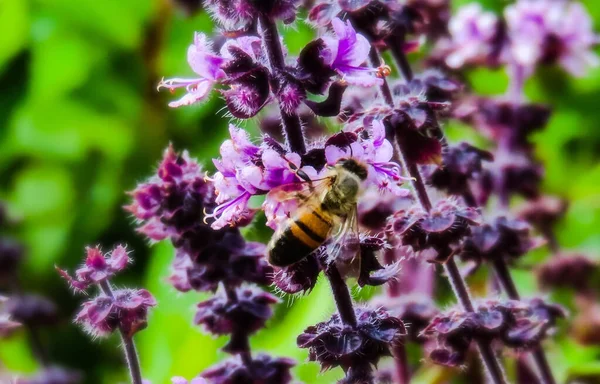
point(81, 122)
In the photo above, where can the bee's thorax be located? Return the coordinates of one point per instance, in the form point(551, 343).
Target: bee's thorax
point(342, 196)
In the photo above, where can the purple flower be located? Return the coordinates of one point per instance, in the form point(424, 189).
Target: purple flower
point(206, 64)
point(548, 31)
point(127, 310)
point(239, 313)
point(500, 239)
point(438, 230)
point(263, 369)
point(345, 53)
point(98, 267)
point(461, 164)
point(518, 324)
point(245, 170)
point(473, 35)
point(333, 343)
point(374, 150)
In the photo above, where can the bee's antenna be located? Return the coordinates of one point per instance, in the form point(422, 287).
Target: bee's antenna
point(300, 173)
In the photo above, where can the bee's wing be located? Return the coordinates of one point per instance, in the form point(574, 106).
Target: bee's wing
point(346, 242)
point(303, 190)
point(294, 197)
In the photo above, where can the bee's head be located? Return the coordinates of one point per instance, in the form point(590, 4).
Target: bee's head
point(353, 166)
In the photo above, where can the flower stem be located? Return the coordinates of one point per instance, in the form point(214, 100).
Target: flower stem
point(291, 122)
point(341, 294)
point(493, 368)
point(385, 87)
point(509, 287)
point(395, 43)
point(401, 363)
point(131, 355)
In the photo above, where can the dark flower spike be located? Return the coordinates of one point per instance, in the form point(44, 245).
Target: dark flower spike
point(517, 324)
point(333, 343)
point(510, 174)
point(98, 267)
point(127, 311)
point(172, 205)
point(263, 369)
point(298, 277)
point(231, 260)
point(239, 314)
point(504, 121)
point(32, 310)
point(52, 375)
point(439, 229)
point(501, 239)
point(461, 163)
point(568, 270)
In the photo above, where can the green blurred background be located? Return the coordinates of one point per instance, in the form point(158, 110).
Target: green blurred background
point(81, 122)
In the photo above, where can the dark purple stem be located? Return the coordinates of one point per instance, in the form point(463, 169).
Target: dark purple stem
point(396, 45)
point(458, 284)
point(341, 294)
point(413, 170)
point(509, 287)
point(493, 368)
point(402, 367)
point(245, 354)
point(385, 87)
point(133, 362)
point(291, 122)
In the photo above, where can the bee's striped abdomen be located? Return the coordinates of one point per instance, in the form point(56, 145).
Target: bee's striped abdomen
point(303, 235)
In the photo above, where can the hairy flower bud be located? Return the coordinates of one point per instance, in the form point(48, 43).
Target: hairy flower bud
point(127, 311)
point(263, 369)
point(333, 343)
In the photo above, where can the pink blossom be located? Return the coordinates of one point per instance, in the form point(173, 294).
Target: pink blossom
point(346, 52)
point(203, 62)
point(551, 30)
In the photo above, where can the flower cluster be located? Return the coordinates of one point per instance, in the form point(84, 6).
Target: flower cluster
point(98, 267)
point(250, 78)
point(531, 33)
point(171, 205)
point(437, 231)
point(334, 343)
point(123, 310)
point(502, 238)
point(245, 170)
point(520, 325)
point(126, 310)
point(174, 205)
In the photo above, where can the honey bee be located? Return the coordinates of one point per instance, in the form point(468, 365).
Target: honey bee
point(326, 210)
